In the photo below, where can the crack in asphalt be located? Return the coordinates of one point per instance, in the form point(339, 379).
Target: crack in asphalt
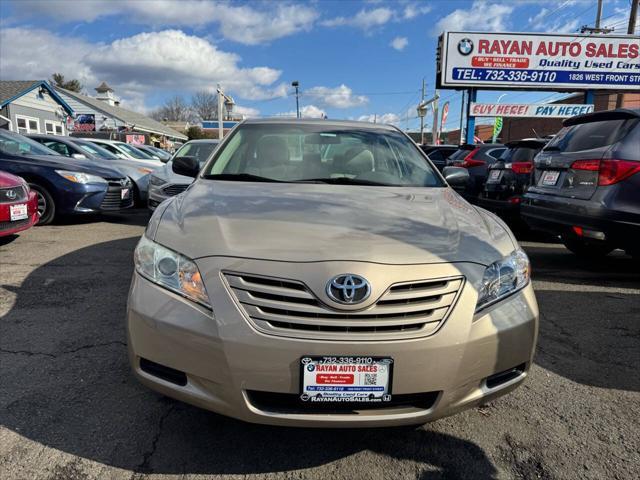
point(64, 352)
point(144, 467)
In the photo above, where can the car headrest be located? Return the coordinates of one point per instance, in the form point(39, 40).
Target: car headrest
point(272, 151)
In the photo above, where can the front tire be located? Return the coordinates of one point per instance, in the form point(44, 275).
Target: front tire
point(46, 205)
point(587, 249)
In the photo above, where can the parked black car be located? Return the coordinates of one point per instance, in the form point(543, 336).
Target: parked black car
point(587, 184)
point(509, 178)
point(64, 185)
point(438, 154)
point(476, 158)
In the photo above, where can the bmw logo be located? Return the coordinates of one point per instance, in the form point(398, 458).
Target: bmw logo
point(311, 367)
point(465, 46)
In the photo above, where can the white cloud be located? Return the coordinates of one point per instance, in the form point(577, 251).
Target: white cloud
point(399, 43)
point(338, 97)
point(137, 65)
point(364, 19)
point(306, 111)
point(240, 23)
point(482, 15)
point(414, 10)
point(390, 118)
point(246, 112)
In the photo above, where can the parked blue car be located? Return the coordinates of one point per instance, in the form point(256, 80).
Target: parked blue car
point(65, 186)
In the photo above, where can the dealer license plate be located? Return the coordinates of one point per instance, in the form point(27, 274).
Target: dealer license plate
point(124, 193)
point(346, 379)
point(18, 212)
point(549, 178)
point(494, 175)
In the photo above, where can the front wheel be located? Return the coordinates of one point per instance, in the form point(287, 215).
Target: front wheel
point(46, 206)
point(587, 249)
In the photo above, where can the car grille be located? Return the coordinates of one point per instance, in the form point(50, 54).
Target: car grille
point(13, 194)
point(175, 189)
point(113, 199)
point(288, 308)
point(11, 225)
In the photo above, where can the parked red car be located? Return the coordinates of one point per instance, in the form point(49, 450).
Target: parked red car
point(18, 205)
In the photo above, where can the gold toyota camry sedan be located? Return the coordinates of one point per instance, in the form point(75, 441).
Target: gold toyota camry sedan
point(325, 274)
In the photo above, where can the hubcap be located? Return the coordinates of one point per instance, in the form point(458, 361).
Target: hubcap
point(42, 203)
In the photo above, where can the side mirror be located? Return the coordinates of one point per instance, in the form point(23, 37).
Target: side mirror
point(456, 176)
point(79, 156)
point(187, 166)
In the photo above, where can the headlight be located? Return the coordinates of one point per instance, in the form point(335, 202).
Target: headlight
point(503, 278)
point(170, 270)
point(79, 177)
point(156, 181)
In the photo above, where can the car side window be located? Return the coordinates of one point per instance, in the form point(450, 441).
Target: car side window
point(59, 147)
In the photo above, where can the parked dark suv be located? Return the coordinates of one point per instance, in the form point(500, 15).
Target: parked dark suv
point(438, 154)
point(476, 158)
point(586, 185)
point(509, 178)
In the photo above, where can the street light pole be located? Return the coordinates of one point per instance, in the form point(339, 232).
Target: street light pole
point(422, 117)
point(296, 85)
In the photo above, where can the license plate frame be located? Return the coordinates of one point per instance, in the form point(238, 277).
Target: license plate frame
point(328, 385)
point(494, 176)
point(19, 211)
point(549, 178)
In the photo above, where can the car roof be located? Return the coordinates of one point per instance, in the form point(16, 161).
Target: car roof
point(203, 140)
point(616, 114)
point(317, 121)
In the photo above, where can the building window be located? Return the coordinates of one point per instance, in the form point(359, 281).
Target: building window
point(27, 124)
point(53, 128)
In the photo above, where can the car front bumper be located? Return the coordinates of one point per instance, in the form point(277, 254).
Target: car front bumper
point(225, 361)
point(9, 227)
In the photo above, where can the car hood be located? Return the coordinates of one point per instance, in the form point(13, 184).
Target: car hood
point(320, 222)
point(8, 180)
point(60, 162)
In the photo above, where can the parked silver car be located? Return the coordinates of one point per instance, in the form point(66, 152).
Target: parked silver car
point(164, 183)
point(137, 170)
point(297, 284)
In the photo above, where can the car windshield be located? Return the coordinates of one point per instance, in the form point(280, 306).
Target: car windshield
point(591, 135)
point(200, 150)
point(16, 144)
point(321, 153)
point(96, 150)
point(460, 154)
point(134, 152)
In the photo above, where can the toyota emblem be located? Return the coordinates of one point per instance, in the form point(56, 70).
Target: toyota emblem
point(348, 289)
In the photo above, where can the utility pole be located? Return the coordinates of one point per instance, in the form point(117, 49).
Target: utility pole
point(295, 84)
point(220, 120)
point(631, 29)
point(597, 29)
point(421, 116)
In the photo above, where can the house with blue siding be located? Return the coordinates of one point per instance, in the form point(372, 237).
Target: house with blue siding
point(33, 106)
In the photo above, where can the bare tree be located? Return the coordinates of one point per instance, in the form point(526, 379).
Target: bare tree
point(58, 80)
point(205, 105)
point(175, 109)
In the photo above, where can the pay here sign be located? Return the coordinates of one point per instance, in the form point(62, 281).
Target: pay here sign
point(539, 61)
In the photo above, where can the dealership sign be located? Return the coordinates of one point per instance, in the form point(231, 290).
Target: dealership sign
point(538, 61)
point(548, 110)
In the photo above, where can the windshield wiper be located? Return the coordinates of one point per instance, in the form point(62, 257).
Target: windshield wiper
point(345, 181)
point(240, 177)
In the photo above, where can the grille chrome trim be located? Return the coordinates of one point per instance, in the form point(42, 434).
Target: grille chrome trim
point(287, 307)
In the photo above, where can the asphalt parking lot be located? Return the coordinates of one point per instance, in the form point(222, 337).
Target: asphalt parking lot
point(70, 409)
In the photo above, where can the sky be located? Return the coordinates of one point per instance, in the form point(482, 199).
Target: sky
point(353, 59)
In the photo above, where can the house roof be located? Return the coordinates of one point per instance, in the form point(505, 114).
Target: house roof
point(11, 90)
point(138, 120)
point(103, 87)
